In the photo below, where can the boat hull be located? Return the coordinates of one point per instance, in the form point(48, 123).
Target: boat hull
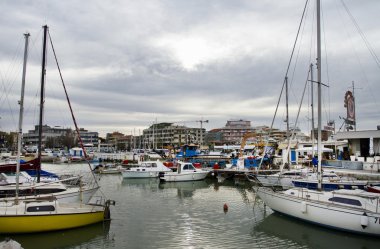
point(34, 224)
point(191, 176)
point(70, 195)
point(33, 164)
point(330, 185)
point(27, 218)
point(323, 214)
point(140, 174)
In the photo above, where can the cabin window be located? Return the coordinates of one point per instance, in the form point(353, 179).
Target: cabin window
point(292, 174)
point(346, 201)
point(46, 208)
point(186, 167)
point(154, 165)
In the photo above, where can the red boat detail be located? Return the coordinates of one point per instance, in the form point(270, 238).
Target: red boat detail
point(33, 164)
point(373, 189)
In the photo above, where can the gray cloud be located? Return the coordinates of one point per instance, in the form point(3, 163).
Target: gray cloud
point(128, 63)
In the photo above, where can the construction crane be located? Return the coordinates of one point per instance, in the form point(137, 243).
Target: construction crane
point(197, 121)
point(201, 121)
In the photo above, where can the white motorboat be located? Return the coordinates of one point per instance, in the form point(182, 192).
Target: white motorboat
point(147, 169)
point(355, 211)
point(185, 172)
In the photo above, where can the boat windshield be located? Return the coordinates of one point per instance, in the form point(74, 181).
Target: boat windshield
point(188, 167)
point(149, 165)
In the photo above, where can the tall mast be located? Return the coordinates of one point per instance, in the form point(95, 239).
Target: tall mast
point(287, 119)
point(312, 109)
point(19, 137)
point(319, 93)
point(42, 100)
point(353, 95)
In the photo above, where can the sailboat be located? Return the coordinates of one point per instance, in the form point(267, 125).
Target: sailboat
point(72, 189)
point(355, 211)
point(45, 214)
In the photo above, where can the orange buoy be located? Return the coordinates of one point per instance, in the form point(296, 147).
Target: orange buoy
point(225, 207)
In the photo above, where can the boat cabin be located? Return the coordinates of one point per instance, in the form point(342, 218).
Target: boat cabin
point(185, 167)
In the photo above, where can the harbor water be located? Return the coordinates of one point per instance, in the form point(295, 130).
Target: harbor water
point(150, 214)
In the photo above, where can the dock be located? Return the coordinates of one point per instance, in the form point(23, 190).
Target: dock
point(235, 173)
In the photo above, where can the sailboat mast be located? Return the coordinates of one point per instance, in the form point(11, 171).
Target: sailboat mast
point(287, 119)
point(312, 109)
point(19, 137)
point(42, 101)
point(319, 94)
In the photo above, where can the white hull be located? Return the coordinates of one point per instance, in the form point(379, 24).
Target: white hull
point(140, 174)
point(147, 169)
point(70, 195)
point(76, 195)
point(184, 176)
point(324, 213)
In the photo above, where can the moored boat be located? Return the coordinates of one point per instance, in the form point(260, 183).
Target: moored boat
point(185, 172)
point(354, 211)
point(35, 214)
point(42, 215)
point(10, 165)
point(373, 189)
point(147, 169)
point(331, 181)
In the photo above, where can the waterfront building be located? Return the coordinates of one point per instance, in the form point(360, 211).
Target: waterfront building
point(58, 137)
point(169, 135)
point(30, 139)
point(235, 130)
point(89, 137)
point(214, 137)
point(231, 133)
point(363, 147)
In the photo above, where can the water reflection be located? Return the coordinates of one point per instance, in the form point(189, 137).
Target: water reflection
point(184, 189)
point(140, 181)
point(94, 234)
point(310, 235)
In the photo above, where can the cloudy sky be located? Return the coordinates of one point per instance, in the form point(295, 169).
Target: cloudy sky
point(129, 63)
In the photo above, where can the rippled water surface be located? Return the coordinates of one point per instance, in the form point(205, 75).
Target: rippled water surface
point(149, 214)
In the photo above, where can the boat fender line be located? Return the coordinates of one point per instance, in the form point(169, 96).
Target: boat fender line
point(107, 212)
point(364, 221)
point(303, 207)
point(161, 174)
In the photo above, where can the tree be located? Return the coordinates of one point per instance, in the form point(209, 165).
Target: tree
point(8, 140)
point(67, 141)
point(51, 142)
